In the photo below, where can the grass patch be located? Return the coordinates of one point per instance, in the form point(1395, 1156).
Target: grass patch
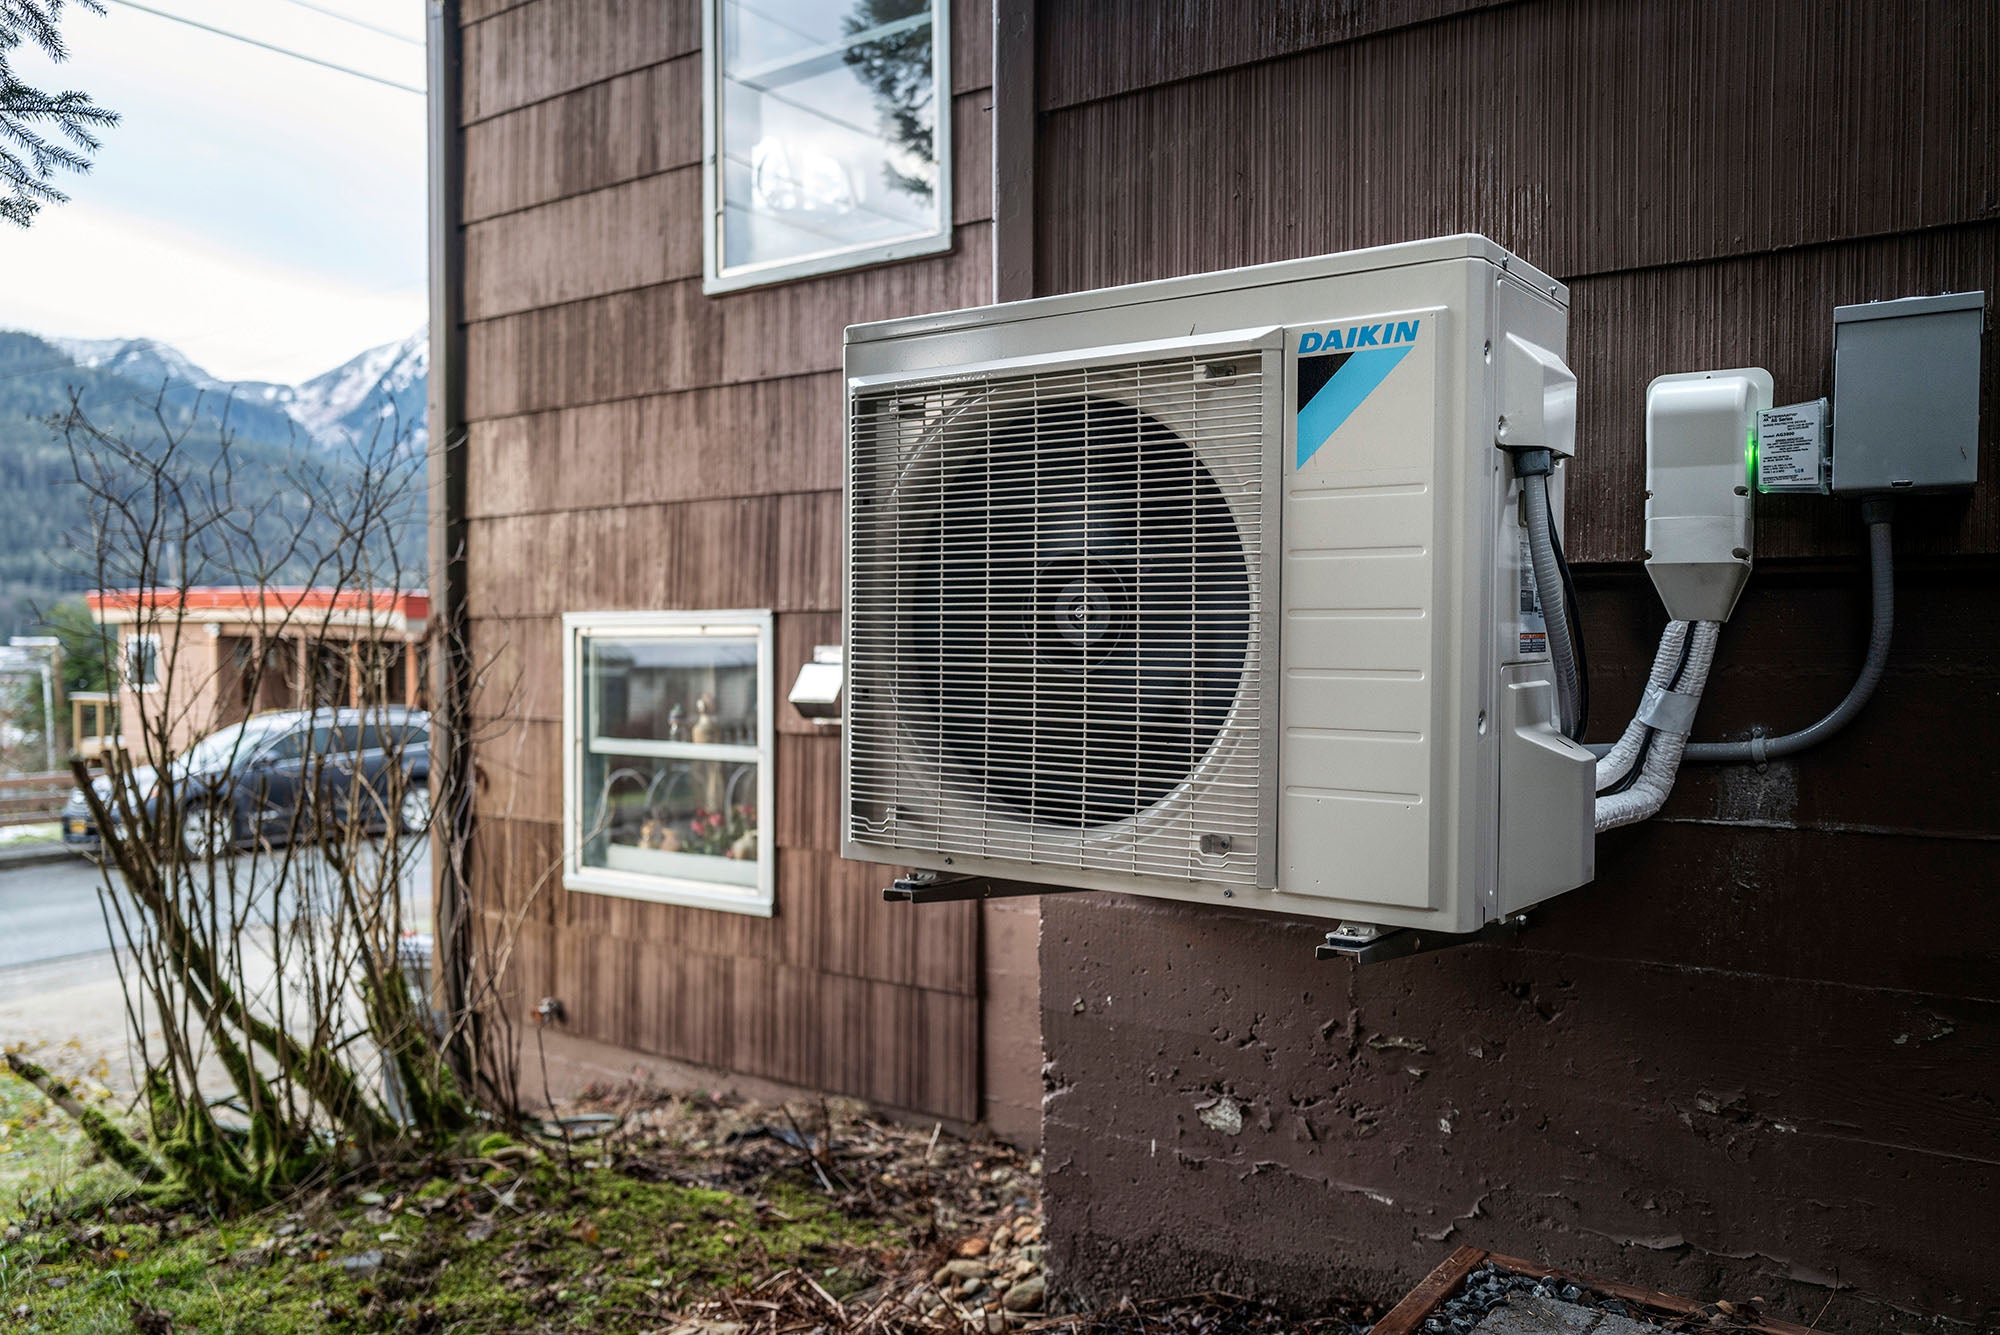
point(44, 1154)
point(467, 1251)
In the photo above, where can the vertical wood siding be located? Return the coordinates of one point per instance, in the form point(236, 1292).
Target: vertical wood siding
point(636, 444)
point(1743, 167)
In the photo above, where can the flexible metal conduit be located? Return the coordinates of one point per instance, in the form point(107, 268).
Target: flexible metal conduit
point(1881, 561)
point(1532, 466)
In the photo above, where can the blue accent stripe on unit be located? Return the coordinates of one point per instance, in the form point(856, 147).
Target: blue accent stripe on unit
point(1342, 394)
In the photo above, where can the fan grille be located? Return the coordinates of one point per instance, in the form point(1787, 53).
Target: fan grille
point(1055, 599)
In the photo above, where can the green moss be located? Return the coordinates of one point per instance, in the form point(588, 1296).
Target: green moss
point(606, 1253)
point(44, 1153)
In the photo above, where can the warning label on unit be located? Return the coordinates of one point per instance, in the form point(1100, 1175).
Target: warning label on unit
point(1791, 447)
point(1534, 629)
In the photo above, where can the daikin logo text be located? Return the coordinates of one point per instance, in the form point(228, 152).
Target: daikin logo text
point(1387, 334)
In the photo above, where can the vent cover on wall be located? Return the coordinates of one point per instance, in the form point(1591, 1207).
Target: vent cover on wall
point(1237, 614)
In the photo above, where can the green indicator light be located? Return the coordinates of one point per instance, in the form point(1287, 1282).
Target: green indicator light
point(1750, 455)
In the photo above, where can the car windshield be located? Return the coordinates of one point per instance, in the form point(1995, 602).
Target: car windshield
point(219, 749)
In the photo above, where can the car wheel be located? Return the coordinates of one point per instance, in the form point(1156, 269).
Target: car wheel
point(207, 833)
point(414, 812)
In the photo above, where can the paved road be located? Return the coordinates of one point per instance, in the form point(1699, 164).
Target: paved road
point(51, 913)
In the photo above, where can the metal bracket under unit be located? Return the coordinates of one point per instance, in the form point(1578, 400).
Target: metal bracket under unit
point(1367, 944)
point(928, 887)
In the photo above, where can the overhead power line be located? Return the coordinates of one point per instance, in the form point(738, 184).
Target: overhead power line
point(267, 46)
point(359, 23)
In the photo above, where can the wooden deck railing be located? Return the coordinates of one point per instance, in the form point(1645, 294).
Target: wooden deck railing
point(28, 798)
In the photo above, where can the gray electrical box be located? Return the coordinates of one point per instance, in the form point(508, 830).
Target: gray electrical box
point(1906, 393)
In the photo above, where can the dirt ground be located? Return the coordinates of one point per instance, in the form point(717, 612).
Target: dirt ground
point(641, 1211)
point(967, 1257)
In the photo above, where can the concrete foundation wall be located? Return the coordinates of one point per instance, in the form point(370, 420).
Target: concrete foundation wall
point(1760, 1056)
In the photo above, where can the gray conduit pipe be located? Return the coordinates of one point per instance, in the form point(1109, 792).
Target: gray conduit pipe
point(1881, 561)
point(1532, 467)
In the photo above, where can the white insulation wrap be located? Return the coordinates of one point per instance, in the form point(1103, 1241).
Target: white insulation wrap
point(1612, 766)
point(1663, 758)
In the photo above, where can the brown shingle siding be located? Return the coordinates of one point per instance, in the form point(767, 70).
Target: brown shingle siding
point(764, 437)
point(536, 51)
point(627, 127)
point(671, 337)
point(635, 444)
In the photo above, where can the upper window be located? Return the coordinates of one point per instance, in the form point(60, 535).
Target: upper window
point(668, 757)
point(142, 661)
point(828, 129)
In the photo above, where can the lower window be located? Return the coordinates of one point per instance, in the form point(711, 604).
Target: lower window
point(667, 734)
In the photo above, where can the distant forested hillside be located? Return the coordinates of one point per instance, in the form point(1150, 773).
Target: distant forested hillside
point(45, 548)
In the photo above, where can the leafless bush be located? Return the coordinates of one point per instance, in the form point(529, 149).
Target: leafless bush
point(267, 837)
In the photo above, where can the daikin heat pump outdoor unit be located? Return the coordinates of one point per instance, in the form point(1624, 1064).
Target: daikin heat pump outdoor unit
point(1217, 589)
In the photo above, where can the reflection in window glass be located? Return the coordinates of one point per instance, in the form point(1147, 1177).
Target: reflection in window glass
point(829, 120)
point(680, 818)
point(668, 768)
point(681, 689)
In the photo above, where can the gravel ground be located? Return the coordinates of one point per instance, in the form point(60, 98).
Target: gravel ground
point(1489, 1288)
point(1496, 1301)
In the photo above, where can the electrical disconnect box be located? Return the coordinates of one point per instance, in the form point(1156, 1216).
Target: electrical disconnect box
point(1906, 394)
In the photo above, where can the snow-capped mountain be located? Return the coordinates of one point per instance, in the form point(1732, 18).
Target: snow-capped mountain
point(147, 361)
point(382, 389)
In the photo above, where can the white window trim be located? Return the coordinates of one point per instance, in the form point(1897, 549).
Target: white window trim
point(758, 900)
point(132, 681)
point(713, 280)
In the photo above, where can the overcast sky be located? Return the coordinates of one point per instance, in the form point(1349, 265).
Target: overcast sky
point(261, 214)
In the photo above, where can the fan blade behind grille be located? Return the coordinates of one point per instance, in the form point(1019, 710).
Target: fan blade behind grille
point(1086, 558)
point(1054, 615)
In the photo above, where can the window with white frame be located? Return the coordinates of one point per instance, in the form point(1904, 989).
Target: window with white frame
point(667, 757)
point(828, 131)
point(142, 660)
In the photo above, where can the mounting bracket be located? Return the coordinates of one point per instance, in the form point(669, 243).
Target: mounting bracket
point(1367, 945)
point(928, 887)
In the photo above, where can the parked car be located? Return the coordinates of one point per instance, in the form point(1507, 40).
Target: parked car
point(278, 774)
